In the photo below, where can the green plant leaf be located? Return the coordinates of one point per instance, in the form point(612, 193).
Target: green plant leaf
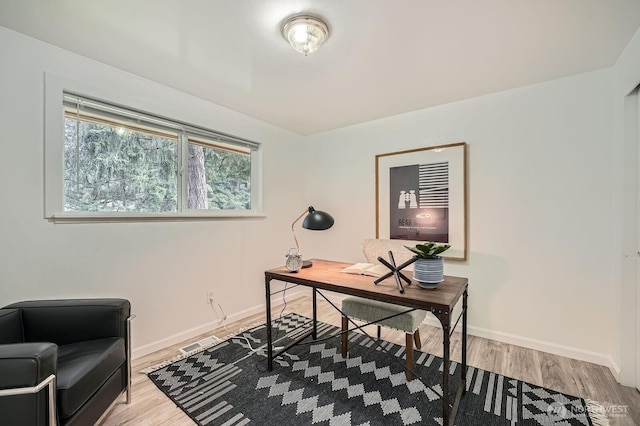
point(429, 250)
point(440, 249)
point(426, 248)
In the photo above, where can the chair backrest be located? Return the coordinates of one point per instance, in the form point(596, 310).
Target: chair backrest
point(374, 248)
point(67, 321)
point(11, 326)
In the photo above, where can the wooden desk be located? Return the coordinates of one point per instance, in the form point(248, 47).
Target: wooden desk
point(326, 275)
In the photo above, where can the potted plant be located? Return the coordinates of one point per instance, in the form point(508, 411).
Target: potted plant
point(429, 267)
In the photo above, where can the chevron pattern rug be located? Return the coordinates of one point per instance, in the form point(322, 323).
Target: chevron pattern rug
point(228, 384)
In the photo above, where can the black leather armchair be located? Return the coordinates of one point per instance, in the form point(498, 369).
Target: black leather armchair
point(63, 362)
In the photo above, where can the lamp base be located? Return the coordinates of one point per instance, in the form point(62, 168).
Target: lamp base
point(306, 264)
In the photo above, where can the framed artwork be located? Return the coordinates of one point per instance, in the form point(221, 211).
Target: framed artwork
point(421, 195)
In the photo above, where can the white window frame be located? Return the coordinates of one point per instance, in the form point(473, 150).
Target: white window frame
point(54, 88)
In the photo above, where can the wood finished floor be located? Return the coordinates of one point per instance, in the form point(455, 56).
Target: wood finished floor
point(149, 406)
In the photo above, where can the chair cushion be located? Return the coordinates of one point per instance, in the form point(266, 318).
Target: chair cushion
point(11, 326)
point(371, 310)
point(83, 367)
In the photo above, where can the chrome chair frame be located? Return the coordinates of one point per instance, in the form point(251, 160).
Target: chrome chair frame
point(49, 382)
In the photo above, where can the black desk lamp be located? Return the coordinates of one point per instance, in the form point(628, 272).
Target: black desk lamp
point(315, 220)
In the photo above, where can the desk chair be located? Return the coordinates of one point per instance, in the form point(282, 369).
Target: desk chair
point(370, 310)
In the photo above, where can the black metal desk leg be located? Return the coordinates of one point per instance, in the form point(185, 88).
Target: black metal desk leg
point(445, 321)
point(464, 343)
point(267, 286)
point(315, 315)
point(445, 375)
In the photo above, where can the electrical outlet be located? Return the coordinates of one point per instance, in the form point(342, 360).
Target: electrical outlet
point(210, 297)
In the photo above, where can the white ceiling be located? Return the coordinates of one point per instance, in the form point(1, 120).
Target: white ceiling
point(383, 57)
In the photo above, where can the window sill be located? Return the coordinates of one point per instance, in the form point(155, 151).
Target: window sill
point(70, 217)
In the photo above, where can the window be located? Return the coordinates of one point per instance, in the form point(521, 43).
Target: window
point(120, 162)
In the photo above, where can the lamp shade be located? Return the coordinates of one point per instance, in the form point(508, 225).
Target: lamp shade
point(317, 220)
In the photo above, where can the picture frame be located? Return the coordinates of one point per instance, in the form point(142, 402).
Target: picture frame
point(421, 195)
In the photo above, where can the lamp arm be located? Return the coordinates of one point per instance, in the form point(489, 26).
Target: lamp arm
point(294, 232)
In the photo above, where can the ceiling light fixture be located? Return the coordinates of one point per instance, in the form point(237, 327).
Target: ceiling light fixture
point(305, 33)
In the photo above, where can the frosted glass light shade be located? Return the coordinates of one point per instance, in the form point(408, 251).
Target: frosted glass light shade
point(305, 33)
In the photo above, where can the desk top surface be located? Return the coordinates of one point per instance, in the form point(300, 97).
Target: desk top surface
point(326, 275)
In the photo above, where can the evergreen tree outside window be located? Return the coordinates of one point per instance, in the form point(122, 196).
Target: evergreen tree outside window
point(118, 160)
point(219, 175)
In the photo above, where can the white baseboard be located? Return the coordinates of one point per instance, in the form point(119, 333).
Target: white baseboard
point(512, 339)
point(539, 345)
point(210, 326)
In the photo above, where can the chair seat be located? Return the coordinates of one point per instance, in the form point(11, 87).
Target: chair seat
point(371, 310)
point(83, 368)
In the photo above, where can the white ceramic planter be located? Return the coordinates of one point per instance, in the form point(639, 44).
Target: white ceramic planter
point(429, 272)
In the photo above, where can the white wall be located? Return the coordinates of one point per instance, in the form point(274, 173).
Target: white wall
point(164, 268)
point(540, 206)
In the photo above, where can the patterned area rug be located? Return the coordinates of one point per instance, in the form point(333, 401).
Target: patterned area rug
point(228, 384)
